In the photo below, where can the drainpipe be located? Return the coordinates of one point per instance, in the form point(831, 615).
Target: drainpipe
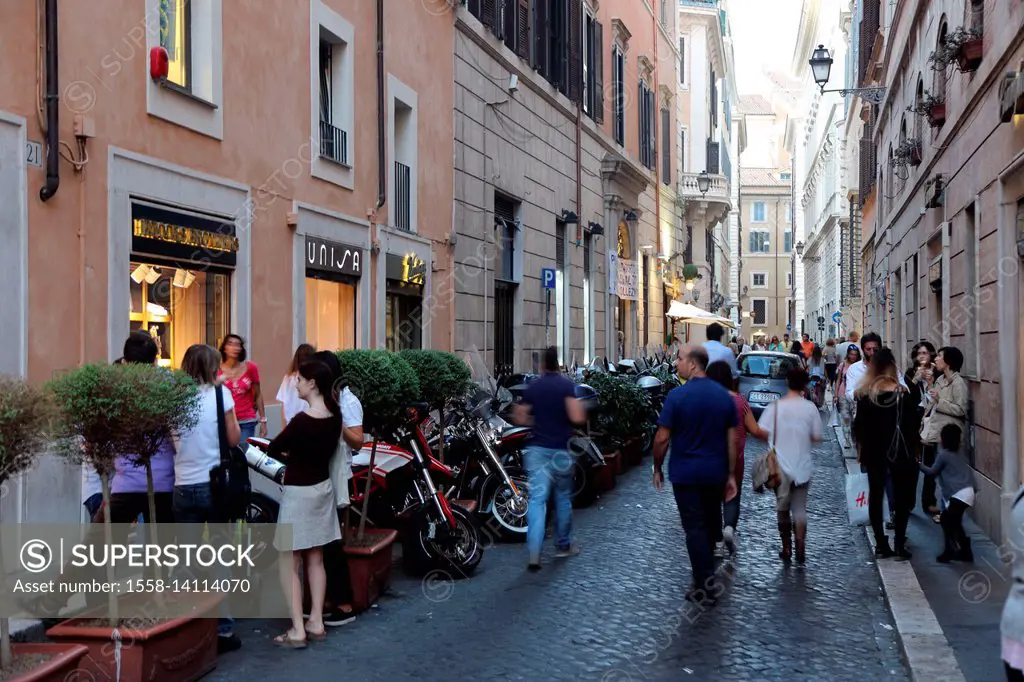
point(657, 172)
point(382, 182)
point(52, 106)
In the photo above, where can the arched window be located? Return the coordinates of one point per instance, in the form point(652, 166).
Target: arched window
point(902, 175)
point(976, 15)
point(888, 187)
point(939, 85)
point(917, 100)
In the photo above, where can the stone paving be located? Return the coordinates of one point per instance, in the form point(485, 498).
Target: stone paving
point(616, 612)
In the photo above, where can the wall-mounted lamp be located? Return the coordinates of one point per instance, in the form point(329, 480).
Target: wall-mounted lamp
point(703, 182)
point(800, 252)
point(595, 229)
point(821, 67)
point(631, 218)
point(570, 218)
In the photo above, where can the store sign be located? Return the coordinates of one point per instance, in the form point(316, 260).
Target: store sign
point(407, 269)
point(165, 233)
point(613, 272)
point(332, 257)
point(628, 281)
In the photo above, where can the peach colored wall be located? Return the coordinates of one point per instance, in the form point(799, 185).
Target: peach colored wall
point(266, 100)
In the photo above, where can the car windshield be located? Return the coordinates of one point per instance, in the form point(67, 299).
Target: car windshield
point(770, 366)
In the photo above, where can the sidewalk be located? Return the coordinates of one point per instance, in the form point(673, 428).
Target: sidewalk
point(947, 614)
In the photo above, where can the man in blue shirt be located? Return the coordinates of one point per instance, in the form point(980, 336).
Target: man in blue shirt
point(699, 419)
point(717, 351)
point(551, 401)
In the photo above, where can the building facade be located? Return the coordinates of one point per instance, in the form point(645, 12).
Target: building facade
point(942, 197)
point(211, 193)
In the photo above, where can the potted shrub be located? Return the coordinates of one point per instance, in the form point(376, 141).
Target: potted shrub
point(932, 108)
point(442, 378)
point(385, 384)
point(106, 410)
point(965, 46)
point(622, 419)
point(908, 153)
point(24, 420)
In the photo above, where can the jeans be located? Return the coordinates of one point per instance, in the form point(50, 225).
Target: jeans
point(193, 507)
point(700, 510)
point(548, 469)
point(903, 477)
point(731, 510)
point(92, 505)
point(248, 429)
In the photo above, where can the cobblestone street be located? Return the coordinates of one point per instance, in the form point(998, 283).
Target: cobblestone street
point(617, 611)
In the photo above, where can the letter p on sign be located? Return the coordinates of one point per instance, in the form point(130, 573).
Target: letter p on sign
point(547, 277)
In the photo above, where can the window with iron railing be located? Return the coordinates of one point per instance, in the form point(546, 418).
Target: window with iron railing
point(403, 197)
point(333, 140)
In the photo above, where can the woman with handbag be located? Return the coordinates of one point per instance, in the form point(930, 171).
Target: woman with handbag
point(946, 404)
point(886, 428)
point(793, 426)
point(308, 505)
point(846, 406)
point(199, 452)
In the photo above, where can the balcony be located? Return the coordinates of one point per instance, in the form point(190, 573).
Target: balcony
point(403, 202)
point(703, 4)
point(333, 143)
point(707, 208)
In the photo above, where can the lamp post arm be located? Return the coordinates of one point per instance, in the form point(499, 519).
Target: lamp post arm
point(873, 95)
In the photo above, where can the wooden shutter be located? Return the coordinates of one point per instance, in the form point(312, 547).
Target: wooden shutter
point(523, 28)
point(713, 158)
point(575, 30)
point(541, 29)
point(666, 147)
point(597, 49)
point(560, 245)
point(489, 13)
point(652, 129)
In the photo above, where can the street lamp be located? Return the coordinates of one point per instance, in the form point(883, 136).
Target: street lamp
point(631, 218)
point(800, 252)
point(821, 67)
point(703, 182)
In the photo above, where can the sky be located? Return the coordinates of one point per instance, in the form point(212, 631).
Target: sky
point(764, 34)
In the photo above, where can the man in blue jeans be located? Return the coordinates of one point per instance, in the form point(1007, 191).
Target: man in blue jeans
point(551, 402)
point(699, 418)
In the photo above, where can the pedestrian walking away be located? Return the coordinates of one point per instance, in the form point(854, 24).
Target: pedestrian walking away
point(886, 427)
point(242, 377)
point(746, 423)
point(959, 486)
point(794, 425)
point(550, 405)
point(699, 420)
point(831, 354)
point(718, 352)
point(853, 339)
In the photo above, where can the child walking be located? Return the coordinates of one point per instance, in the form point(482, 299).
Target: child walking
point(958, 485)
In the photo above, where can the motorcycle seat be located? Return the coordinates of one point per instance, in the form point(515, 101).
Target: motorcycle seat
point(261, 443)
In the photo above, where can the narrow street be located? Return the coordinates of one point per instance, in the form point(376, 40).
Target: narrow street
point(617, 613)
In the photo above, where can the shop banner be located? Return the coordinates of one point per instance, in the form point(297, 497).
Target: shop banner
point(628, 281)
point(613, 272)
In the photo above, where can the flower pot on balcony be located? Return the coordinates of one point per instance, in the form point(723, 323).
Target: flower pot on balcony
point(937, 115)
point(369, 565)
point(154, 649)
point(968, 57)
point(915, 156)
point(44, 662)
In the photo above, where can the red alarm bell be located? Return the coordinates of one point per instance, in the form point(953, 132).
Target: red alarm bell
point(159, 64)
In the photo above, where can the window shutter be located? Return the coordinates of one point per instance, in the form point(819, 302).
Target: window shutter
point(682, 60)
point(560, 245)
point(641, 122)
point(713, 158)
point(541, 28)
point(597, 49)
point(489, 13)
point(682, 150)
point(666, 147)
point(523, 29)
point(652, 130)
point(575, 70)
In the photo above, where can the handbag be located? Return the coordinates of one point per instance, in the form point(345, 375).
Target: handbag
point(767, 473)
point(229, 480)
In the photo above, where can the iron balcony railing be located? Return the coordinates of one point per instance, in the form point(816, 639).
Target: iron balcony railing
point(333, 143)
point(403, 197)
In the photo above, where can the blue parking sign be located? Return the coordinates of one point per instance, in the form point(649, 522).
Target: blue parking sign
point(547, 277)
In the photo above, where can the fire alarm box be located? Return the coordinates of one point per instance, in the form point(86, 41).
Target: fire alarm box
point(159, 64)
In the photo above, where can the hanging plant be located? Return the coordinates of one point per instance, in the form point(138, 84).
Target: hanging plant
point(964, 46)
point(932, 108)
point(907, 154)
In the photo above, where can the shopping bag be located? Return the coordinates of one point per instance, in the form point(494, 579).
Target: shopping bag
point(857, 499)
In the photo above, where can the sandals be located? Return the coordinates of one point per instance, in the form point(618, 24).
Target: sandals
point(286, 642)
point(315, 636)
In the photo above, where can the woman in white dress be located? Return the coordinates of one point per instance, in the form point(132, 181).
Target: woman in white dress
point(288, 394)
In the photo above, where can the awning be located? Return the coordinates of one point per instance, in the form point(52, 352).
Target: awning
point(688, 313)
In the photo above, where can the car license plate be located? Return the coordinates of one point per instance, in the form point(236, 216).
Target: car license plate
point(762, 397)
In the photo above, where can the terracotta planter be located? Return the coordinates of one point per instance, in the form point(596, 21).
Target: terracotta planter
point(62, 666)
point(968, 57)
point(633, 452)
point(937, 115)
point(369, 567)
point(604, 478)
point(175, 650)
point(915, 156)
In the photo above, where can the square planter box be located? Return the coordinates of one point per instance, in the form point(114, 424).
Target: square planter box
point(604, 478)
point(369, 566)
point(60, 667)
point(633, 452)
point(937, 115)
point(968, 58)
point(172, 650)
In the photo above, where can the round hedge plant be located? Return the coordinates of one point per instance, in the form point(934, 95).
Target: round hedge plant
point(623, 409)
point(384, 382)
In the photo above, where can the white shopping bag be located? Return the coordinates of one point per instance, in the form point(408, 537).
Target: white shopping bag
point(857, 499)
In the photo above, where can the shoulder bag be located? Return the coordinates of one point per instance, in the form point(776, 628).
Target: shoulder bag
point(766, 472)
point(229, 480)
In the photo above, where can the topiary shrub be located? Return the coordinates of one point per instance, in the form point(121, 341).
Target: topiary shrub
point(443, 378)
point(623, 409)
point(384, 382)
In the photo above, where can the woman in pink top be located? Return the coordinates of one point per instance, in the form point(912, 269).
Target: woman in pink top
point(722, 373)
point(242, 378)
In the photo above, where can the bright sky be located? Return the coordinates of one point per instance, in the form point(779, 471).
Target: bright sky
point(764, 34)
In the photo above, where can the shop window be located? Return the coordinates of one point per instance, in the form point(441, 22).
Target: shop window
point(403, 312)
point(179, 307)
point(330, 314)
point(588, 298)
point(561, 276)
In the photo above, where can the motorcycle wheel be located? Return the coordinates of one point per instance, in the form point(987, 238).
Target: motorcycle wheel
point(454, 557)
point(505, 511)
point(259, 517)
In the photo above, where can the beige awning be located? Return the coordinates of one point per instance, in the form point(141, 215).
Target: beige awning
point(687, 313)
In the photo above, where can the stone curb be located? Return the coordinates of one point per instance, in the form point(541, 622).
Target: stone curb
point(925, 648)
